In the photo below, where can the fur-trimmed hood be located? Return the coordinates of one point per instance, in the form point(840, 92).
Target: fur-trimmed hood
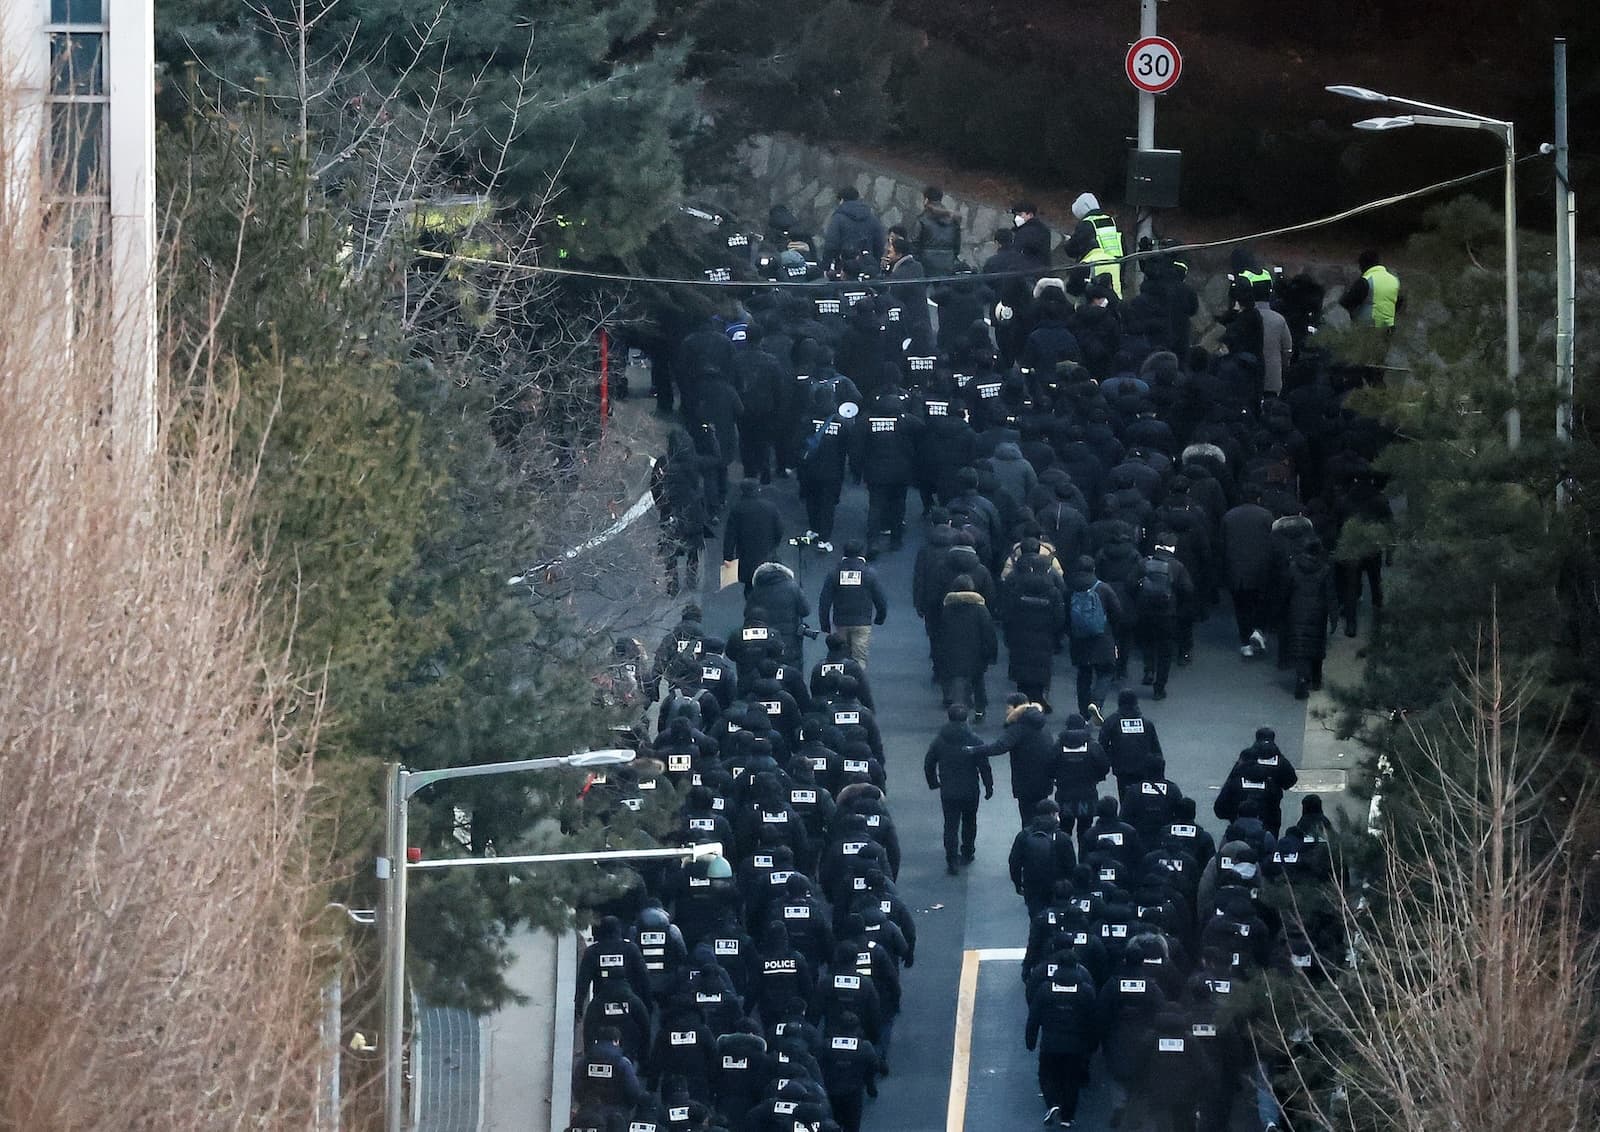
point(768, 571)
point(1049, 283)
point(1204, 451)
point(859, 794)
point(1030, 713)
point(964, 597)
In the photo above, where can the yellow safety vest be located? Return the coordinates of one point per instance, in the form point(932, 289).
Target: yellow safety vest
point(1384, 294)
point(1107, 249)
point(1112, 268)
point(1106, 234)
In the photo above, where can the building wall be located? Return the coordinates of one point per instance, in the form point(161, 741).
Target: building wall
point(79, 78)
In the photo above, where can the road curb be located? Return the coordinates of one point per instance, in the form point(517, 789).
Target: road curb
point(561, 1054)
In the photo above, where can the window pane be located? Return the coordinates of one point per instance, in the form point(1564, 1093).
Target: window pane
point(77, 149)
point(76, 64)
point(77, 11)
point(82, 225)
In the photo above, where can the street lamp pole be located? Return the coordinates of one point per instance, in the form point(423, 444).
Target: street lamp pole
point(1513, 337)
point(401, 784)
point(1462, 119)
point(1566, 258)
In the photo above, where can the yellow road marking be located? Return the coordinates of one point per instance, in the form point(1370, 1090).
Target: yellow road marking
point(955, 1118)
point(966, 1001)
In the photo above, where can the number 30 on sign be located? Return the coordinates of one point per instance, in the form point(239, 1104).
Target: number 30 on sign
point(1153, 64)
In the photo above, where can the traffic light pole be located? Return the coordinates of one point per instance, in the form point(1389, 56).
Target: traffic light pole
point(392, 872)
point(400, 785)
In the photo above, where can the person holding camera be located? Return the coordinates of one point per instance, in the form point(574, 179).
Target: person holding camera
point(853, 601)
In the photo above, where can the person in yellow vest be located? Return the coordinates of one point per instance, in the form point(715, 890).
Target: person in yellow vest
point(1096, 241)
point(1374, 299)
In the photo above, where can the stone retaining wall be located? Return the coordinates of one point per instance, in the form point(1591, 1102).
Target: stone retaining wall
point(807, 178)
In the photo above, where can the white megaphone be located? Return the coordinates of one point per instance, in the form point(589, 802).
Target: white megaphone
point(848, 410)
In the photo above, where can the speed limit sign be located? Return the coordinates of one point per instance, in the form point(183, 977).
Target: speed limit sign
point(1153, 64)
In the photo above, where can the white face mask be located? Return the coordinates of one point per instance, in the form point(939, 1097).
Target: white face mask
point(1244, 871)
point(1018, 220)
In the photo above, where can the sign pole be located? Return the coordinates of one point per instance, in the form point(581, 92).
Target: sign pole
point(1152, 65)
point(1147, 107)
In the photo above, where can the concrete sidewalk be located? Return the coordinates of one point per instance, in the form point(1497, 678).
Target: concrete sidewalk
point(1330, 764)
point(527, 1049)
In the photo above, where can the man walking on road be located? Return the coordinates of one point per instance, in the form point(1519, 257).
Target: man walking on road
point(1033, 755)
point(853, 601)
point(753, 531)
point(1247, 568)
point(1041, 855)
point(1063, 1025)
point(1129, 739)
point(965, 647)
point(1094, 611)
point(954, 767)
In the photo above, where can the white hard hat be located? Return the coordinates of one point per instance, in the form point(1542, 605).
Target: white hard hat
point(848, 410)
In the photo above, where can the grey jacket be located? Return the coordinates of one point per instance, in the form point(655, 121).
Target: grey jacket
point(1276, 347)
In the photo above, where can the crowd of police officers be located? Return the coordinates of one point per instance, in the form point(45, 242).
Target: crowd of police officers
point(758, 989)
point(1092, 482)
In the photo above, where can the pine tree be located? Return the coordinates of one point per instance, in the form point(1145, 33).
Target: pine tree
point(565, 106)
point(822, 73)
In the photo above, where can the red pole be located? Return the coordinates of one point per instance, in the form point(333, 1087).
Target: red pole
point(605, 378)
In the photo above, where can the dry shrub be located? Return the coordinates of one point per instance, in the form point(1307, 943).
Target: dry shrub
point(155, 964)
point(1472, 1005)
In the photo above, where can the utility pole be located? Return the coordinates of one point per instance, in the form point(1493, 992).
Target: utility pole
point(1566, 262)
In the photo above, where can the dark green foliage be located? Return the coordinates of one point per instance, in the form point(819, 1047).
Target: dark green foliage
point(1033, 119)
point(343, 491)
point(390, 520)
point(561, 103)
point(817, 71)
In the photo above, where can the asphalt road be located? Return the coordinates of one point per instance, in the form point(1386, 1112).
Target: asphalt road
point(958, 1058)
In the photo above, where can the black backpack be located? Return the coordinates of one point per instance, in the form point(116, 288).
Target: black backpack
point(1039, 854)
point(1156, 595)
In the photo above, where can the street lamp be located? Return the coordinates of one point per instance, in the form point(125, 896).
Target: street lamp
point(1462, 119)
point(1359, 93)
point(402, 784)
